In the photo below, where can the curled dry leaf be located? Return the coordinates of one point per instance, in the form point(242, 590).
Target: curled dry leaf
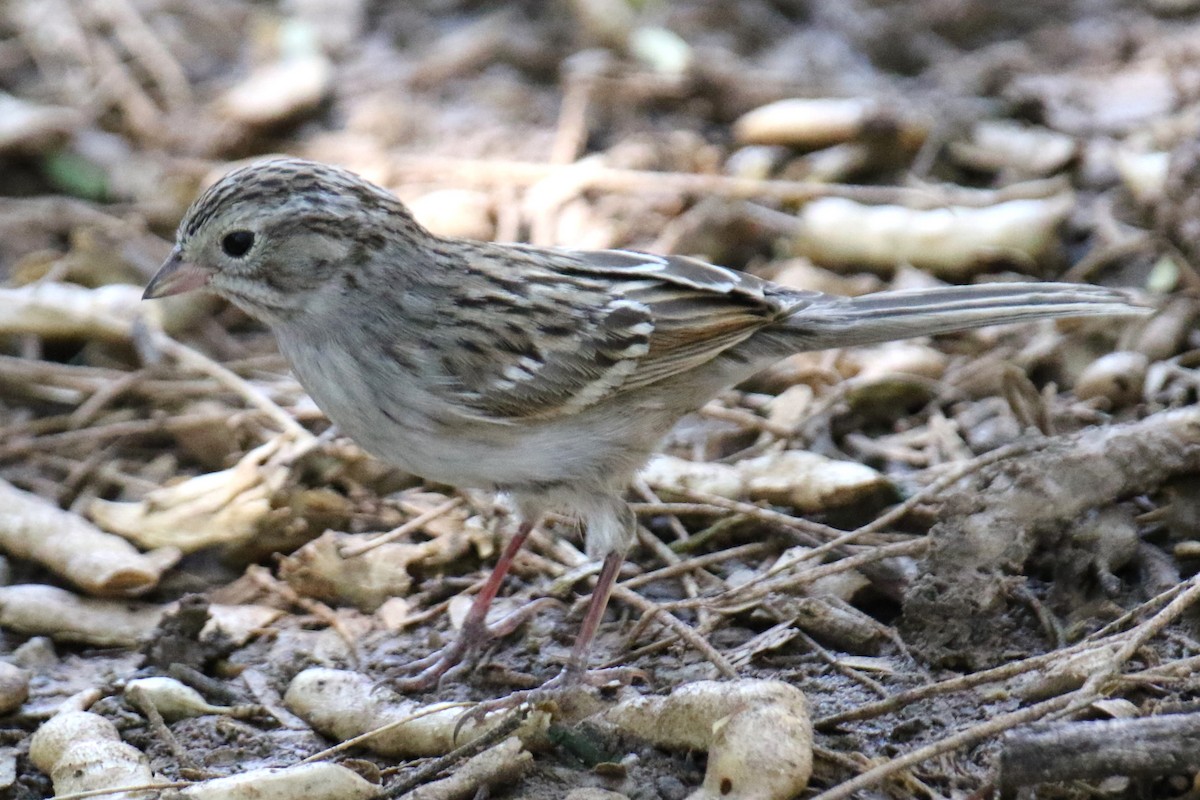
point(342, 704)
point(71, 547)
point(951, 242)
point(237, 624)
point(65, 310)
point(83, 752)
point(218, 508)
point(805, 481)
point(35, 609)
point(728, 719)
point(319, 570)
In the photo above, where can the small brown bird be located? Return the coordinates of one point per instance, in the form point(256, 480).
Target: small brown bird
point(546, 374)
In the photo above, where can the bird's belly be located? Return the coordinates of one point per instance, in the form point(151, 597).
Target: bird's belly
point(423, 435)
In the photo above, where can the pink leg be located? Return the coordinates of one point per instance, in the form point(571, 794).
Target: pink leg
point(576, 671)
point(595, 611)
point(475, 631)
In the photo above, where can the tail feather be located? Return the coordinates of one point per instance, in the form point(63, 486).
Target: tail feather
point(886, 316)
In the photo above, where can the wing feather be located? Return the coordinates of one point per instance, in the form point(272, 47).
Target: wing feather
point(575, 329)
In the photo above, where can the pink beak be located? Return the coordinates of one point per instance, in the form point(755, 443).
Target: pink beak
point(176, 276)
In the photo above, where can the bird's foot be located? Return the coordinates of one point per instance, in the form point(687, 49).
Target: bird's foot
point(557, 690)
point(426, 673)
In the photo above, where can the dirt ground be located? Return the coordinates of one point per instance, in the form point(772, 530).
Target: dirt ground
point(975, 555)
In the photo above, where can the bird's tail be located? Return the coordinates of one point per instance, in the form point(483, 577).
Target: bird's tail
point(886, 316)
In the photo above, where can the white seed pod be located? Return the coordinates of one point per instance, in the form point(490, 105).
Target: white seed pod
point(809, 482)
point(53, 736)
point(805, 122)
point(1118, 377)
point(319, 781)
point(170, 698)
point(728, 719)
point(83, 752)
point(65, 310)
point(277, 92)
point(893, 358)
point(951, 242)
point(456, 212)
point(88, 766)
point(40, 610)
point(342, 704)
point(669, 472)
point(70, 546)
point(14, 687)
point(1144, 174)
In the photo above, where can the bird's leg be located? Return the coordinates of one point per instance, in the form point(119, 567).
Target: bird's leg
point(576, 671)
point(598, 602)
point(475, 631)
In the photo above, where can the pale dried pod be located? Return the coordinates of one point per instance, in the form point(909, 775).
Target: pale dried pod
point(499, 766)
point(56, 734)
point(756, 162)
point(728, 719)
point(1006, 145)
point(1164, 334)
point(83, 752)
point(1118, 377)
point(40, 610)
point(843, 585)
point(810, 482)
point(1067, 674)
point(29, 128)
point(8, 769)
point(892, 358)
point(69, 546)
point(320, 570)
point(14, 687)
point(342, 704)
point(91, 766)
point(318, 781)
point(802, 274)
point(466, 213)
point(811, 123)
point(172, 699)
point(278, 92)
point(1144, 174)
point(790, 408)
point(670, 472)
point(55, 310)
point(952, 242)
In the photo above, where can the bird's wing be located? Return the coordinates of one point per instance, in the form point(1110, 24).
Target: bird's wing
point(567, 330)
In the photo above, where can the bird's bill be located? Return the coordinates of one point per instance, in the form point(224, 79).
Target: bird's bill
point(176, 276)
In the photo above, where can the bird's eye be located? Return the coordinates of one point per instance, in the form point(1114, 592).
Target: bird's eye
point(237, 243)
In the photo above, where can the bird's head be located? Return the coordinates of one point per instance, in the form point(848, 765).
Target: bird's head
point(274, 236)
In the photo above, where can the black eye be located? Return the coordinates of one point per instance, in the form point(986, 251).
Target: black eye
point(237, 244)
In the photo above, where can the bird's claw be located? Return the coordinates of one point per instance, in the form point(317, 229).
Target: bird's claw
point(428, 672)
point(570, 678)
